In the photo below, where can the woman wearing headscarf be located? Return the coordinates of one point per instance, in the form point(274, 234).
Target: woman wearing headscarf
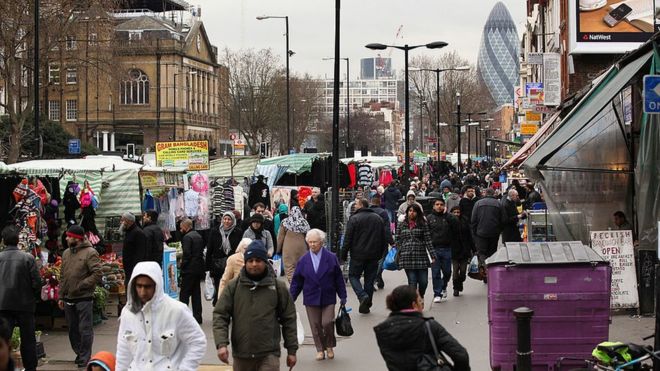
point(282, 213)
point(256, 231)
point(291, 240)
point(222, 243)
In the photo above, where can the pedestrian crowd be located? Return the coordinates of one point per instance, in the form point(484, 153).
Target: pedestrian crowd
point(253, 308)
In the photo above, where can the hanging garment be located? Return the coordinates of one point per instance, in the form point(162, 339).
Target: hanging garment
point(259, 192)
point(203, 220)
point(217, 199)
point(351, 174)
point(149, 201)
point(303, 194)
point(191, 203)
point(228, 198)
point(385, 178)
point(365, 175)
point(239, 199)
point(200, 183)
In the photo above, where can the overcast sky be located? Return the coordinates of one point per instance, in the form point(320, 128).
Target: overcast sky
point(232, 24)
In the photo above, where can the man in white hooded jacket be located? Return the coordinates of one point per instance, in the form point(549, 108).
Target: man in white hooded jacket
point(156, 332)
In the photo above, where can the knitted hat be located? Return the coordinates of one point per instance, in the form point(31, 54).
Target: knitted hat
point(76, 231)
point(105, 360)
point(257, 218)
point(256, 249)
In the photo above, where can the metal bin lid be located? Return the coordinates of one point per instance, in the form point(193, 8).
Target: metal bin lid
point(567, 252)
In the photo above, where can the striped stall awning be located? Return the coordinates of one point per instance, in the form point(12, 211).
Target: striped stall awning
point(242, 167)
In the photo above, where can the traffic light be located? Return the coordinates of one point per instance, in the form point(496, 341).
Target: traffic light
point(264, 149)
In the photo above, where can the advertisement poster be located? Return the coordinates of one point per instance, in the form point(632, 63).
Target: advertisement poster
point(170, 274)
point(192, 155)
point(552, 79)
point(617, 248)
point(610, 26)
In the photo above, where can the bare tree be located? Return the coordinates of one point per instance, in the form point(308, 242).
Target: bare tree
point(58, 20)
point(257, 99)
point(474, 95)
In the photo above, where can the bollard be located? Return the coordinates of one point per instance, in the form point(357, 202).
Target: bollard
point(524, 350)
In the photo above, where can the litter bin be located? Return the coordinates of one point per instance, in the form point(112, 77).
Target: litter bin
point(567, 285)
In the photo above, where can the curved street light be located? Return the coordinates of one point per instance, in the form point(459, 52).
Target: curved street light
point(406, 48)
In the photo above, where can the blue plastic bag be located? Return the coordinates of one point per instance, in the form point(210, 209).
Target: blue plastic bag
point(390, 260)
point(278, 265)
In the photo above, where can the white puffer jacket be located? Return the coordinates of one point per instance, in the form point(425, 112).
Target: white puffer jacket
point(162, 335)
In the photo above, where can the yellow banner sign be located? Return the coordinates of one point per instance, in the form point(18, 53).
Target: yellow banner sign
point(192, 154)
point(528, 129)
point(531, 116)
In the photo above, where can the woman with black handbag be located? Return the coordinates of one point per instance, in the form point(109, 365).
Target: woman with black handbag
point(409, 341)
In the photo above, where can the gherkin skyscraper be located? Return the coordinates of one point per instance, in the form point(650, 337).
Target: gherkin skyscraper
point(498, 62)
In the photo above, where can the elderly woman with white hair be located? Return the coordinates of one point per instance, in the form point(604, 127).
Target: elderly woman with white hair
point(318, 275)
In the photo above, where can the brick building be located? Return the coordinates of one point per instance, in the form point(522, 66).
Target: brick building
point(147, 75)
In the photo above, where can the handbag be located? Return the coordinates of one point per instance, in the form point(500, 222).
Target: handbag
point(343, 322)
point(435, 361)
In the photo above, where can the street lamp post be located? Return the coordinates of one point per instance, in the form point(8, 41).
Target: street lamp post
point(289, 53)
point(479, 148)
point(437, 98)
point(406, 48)
point(348, 102)
point(422, 102)
point(458, 129)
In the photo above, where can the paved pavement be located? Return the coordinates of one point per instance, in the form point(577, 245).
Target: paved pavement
point(464, 317)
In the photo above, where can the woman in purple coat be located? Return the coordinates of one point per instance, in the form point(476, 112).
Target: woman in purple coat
point(318, 275)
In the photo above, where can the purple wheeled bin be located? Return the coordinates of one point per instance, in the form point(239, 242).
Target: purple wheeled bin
point(567, 285)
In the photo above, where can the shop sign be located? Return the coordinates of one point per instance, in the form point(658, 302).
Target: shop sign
point(534, 58)
point(192, 155)
point(617, 248)
point(531, 116)
point(528, 129)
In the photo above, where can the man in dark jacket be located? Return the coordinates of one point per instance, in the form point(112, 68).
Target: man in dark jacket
point(268, 225)
point(462, 249)
point(441, 225)
point(375, 206)
point(135, 245)
point(533, 196)
point(315, 210)
point(80, 273)
point(18, 292)
point(467, 202)
point(365, 239)
point(510, 231)
point(391, 197)
point(486, 223)
point(259, 309)
point(192, 267)
point(153, 235)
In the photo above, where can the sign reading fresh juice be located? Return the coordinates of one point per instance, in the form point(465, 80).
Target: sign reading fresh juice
point(191, 154)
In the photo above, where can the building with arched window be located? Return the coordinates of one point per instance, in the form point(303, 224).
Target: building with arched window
point(158, 79)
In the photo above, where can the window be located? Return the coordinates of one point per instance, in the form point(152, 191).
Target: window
point(71, 110)
point(54, 110)
point(135, 89)
point(70, 42)
point(71, 75)
point(54, 73)
point(93, 39)
point(135, 35)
